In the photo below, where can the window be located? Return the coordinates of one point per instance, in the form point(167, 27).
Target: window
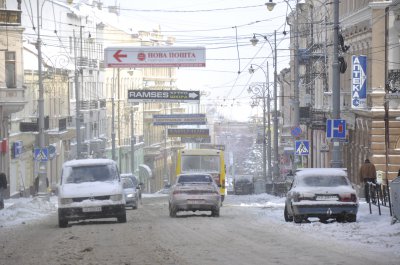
point(10, 70)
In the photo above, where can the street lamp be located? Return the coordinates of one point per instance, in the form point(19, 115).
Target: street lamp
point(270, 5)
point(254, 41)
point(263, 93)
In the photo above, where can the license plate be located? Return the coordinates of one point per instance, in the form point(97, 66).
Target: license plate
point(91, 209)
point(326, 198)
point(195, 201)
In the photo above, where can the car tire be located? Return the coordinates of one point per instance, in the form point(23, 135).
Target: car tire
point(288, 218)
point(298, 219)
point(323, 219)
point(215, 212)
point(351, 218)
point(172, 211)
point(62, 222)
point(340, 219)
point(121, 218)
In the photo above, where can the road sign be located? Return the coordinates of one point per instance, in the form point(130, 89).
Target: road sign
point(196, 140)
point(336, 128)
point(180, 119)
point(155, 56)
point(186, 96)
point(296, 131)
point(191, 133)
point(41, 154)
point(302, 147)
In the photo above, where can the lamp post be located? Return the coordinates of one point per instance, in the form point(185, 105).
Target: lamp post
point(336, 152)
point(263, 93)
point(254, 41)
point(296, 99)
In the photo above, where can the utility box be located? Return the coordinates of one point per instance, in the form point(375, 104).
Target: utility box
point(395, 196)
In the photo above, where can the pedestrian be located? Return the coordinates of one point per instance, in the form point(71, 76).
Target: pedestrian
point(367, 174)
point(3, 188)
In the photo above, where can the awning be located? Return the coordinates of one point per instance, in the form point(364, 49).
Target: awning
point(145, 172)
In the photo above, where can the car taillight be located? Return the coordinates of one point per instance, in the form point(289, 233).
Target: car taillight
point(349, 197)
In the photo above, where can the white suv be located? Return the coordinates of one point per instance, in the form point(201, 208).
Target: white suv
point(90, 189)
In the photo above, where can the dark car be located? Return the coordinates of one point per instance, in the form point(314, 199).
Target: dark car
point(243, 185)
point(323, 193)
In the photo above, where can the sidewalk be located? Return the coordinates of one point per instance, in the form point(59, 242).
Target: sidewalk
point(22, 210)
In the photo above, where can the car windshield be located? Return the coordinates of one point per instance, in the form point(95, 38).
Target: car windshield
point(195, 179)
point(323, 181)
point(127, 183)
point(89, 173)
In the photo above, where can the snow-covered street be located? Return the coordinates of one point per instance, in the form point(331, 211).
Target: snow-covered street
point(246, 218)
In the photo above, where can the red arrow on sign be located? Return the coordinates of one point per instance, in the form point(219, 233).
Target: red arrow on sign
point(118, 55)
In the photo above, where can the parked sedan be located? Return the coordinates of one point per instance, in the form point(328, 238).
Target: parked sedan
point(130, 191)
point(138, 185)
point(321, 192)
point(194, 192)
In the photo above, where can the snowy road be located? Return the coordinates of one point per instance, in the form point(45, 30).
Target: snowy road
point(242, 235)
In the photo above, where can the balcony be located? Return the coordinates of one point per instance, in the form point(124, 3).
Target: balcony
point(12, 100)
point(10, 17)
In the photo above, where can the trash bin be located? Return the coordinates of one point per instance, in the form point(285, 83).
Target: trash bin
point(395, 197)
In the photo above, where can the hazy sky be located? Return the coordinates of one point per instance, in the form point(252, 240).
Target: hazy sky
point(225, 28)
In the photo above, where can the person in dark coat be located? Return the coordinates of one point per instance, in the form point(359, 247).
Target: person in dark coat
point(367, 174)
point(3, 187)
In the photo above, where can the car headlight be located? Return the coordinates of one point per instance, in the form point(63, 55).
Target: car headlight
point(130, 195)
point(63, 201)
point(116, 197)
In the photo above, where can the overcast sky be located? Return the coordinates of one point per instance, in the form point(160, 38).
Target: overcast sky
point(225, 28)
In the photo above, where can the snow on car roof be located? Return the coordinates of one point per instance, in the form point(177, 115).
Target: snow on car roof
point(89, 162)
point(321, 172)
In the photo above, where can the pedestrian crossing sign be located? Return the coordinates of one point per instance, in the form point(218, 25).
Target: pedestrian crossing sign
point(41, 154)
point(302, 147)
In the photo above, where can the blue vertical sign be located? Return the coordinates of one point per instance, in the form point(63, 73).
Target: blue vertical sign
point(359, 82)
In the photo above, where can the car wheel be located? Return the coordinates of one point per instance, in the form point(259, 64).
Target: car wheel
point(215, 212)
point(62, 222)
point(323, 219)
point(298, 219)
point(121, 218)
point(340, 218)
point(351, 218)
point(288, 218)
point(172, 211)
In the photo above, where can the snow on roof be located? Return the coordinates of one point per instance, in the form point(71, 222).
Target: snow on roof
point(89, 162)
point(321, 171)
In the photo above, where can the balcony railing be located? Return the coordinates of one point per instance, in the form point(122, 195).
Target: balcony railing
point(12, 100)
point(10, 17)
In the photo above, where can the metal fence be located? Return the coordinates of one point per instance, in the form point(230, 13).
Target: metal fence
point(379, 196)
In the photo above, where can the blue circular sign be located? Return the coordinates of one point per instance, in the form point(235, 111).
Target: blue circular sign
point(296, 131)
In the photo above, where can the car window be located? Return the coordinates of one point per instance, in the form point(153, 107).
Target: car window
point(90, 174)
point(127, 183)
point(323, 181)
point(195, 179)
point(134, 181)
